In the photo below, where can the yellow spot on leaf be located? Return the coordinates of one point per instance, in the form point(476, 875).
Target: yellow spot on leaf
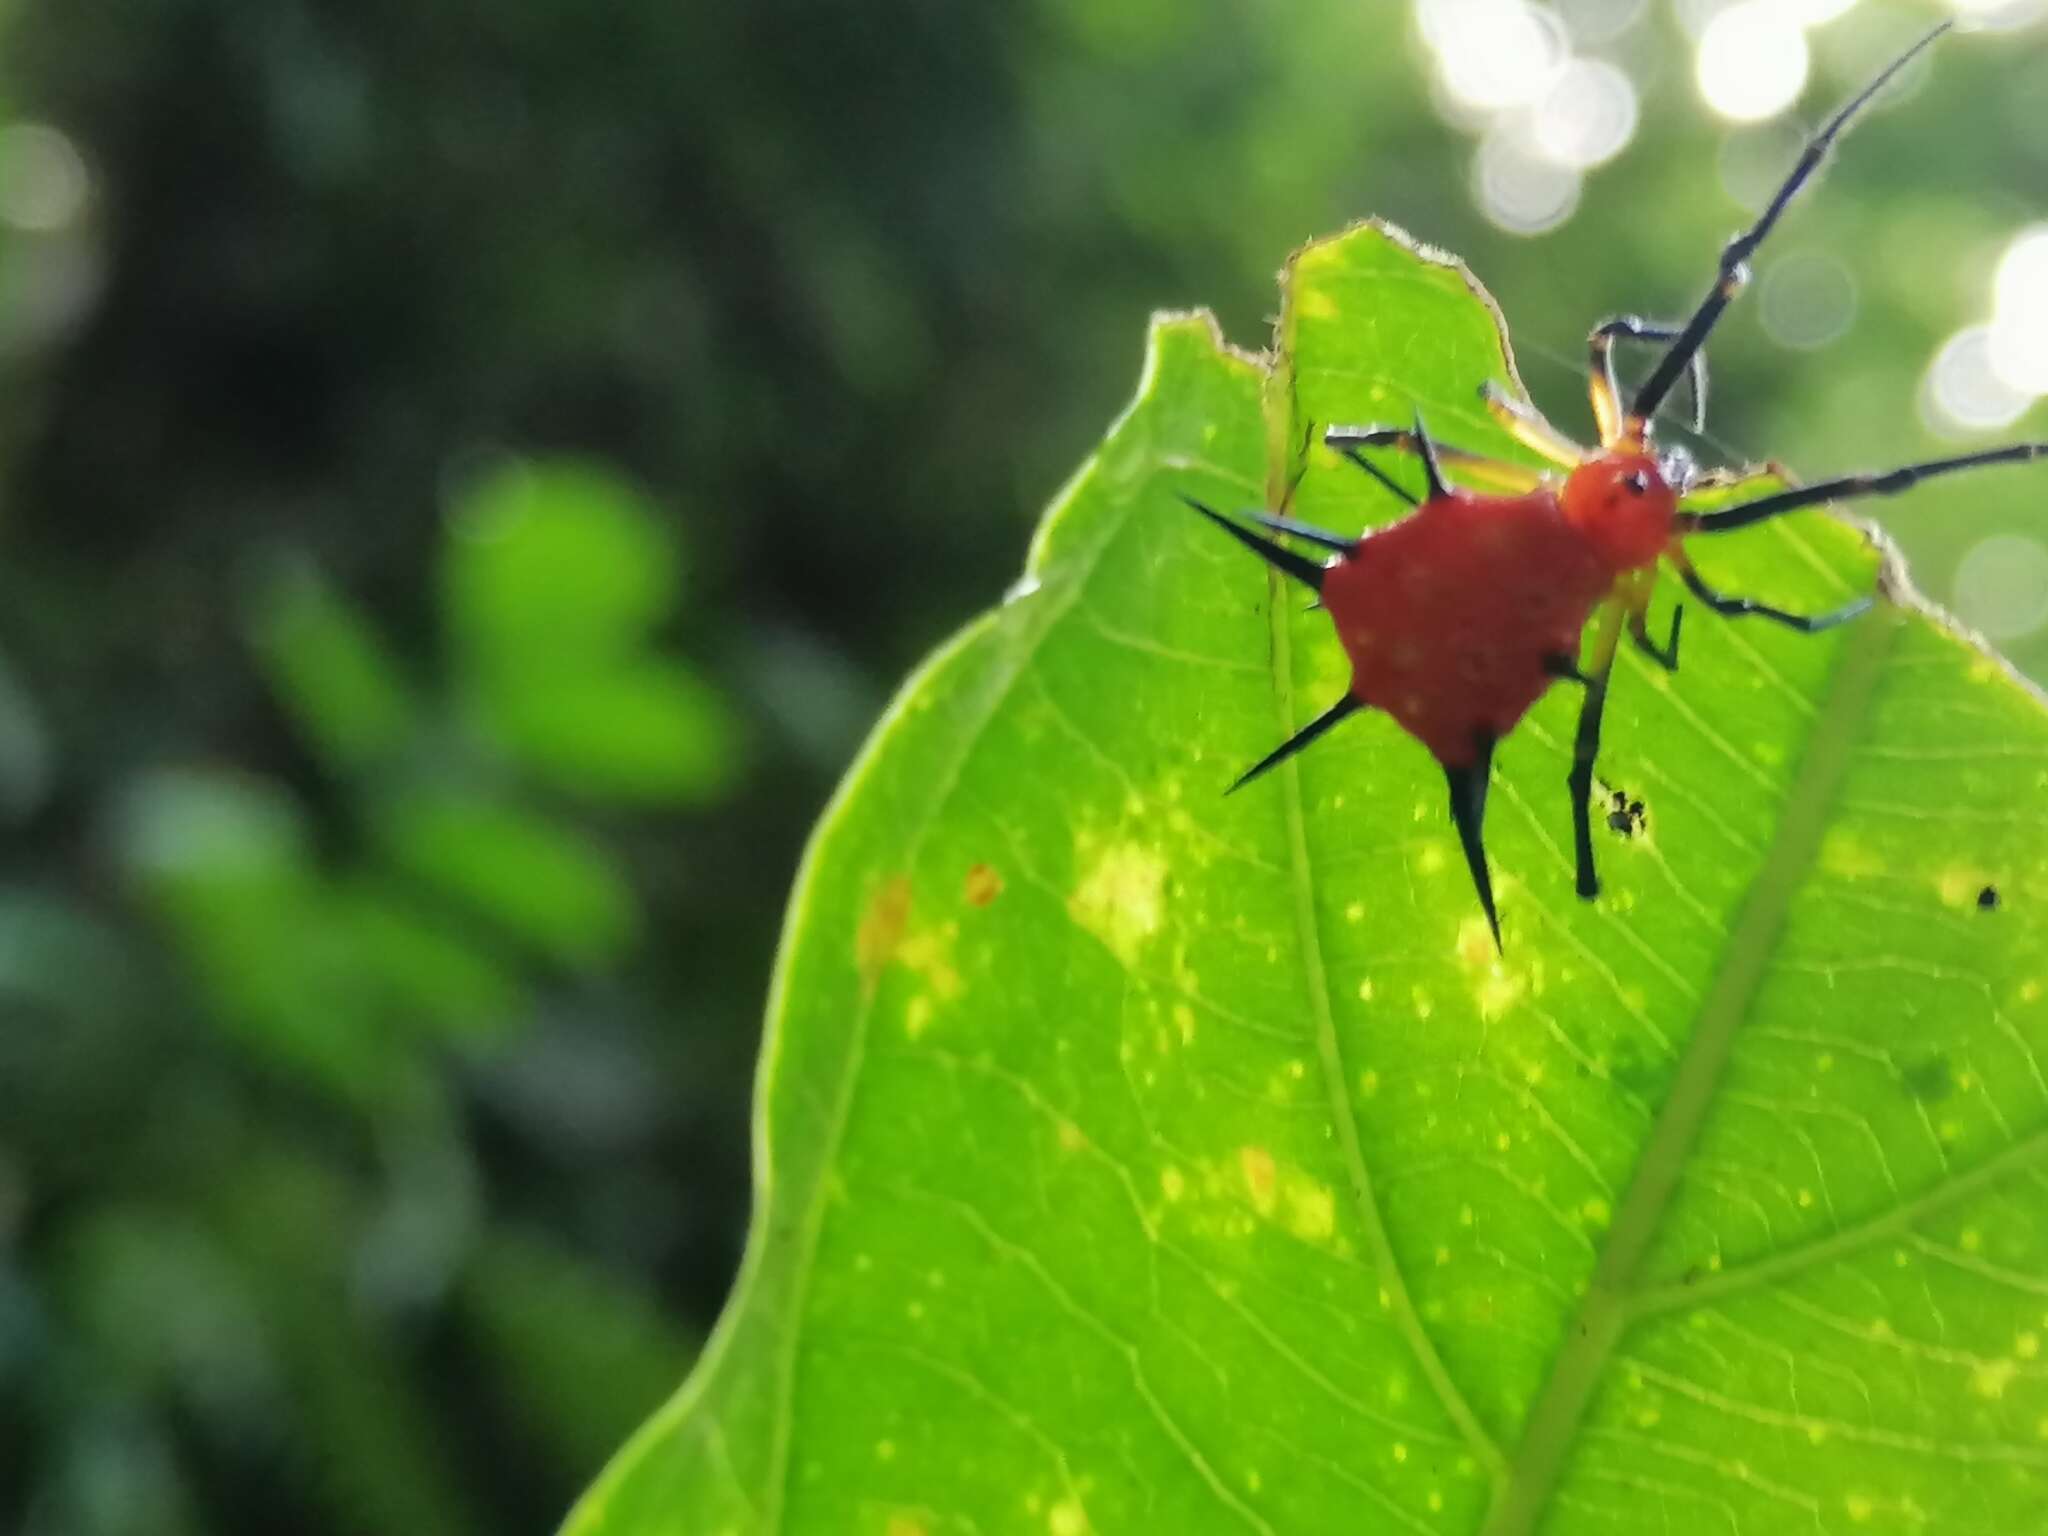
point(1311, 1210)
point(930, 955)
point(1172, 1183)
point(1841, 854)
point(1991, 1378)
point(1499, 991)
point(1068, 1519)
point(1121, 900)
point(1959, 886)
point(1859, 1506)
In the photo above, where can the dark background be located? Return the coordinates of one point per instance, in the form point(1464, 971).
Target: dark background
point(469, 476)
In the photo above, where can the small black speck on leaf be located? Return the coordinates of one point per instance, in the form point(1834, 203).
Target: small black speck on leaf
point(1627, 817)
point(1987, 899)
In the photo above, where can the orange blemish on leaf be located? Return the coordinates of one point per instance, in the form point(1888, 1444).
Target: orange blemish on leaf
point(1259, 1176)
point(984, 885)
point(881, 929)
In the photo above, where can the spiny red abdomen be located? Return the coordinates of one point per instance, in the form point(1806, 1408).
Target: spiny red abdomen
point(1449, 615)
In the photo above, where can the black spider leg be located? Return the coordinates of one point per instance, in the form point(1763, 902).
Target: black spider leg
point(1349, 440)
point(1748, 607)
point(1468, 814)
point(1849, 487)
point(1585, 748)
point(1282, 559)
point(1639, 631)
point(1734, 267)
point(1607, 381)
point(1346, 706)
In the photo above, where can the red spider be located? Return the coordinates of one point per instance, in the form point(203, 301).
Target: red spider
point(1459, 617)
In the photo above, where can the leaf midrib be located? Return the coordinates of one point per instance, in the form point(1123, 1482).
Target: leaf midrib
point(1604, 1313)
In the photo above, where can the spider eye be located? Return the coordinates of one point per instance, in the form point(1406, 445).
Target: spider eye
point(1636, 481)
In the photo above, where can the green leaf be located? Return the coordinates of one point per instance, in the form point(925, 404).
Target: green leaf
point(555, 583)
point(548, 886)
point(555, 567)
point(652, 733)
point(225, 862)
point(1139, 1160)
point(329, 667)
point(425, 970)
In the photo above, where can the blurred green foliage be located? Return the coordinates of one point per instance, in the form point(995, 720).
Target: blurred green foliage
point(398, 808)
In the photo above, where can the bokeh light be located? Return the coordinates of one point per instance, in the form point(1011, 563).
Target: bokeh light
point(1806, 300)
point(1814, 13)
point(1505, 73)
point(1594, 22)
point(2019, 317)
point(1999, 15)
point(1587, 118)
point(1753, 60)
point(1520, 190)
point(2001, 586)
point(43, 180)
point(1963, 392)
point(1494, 53)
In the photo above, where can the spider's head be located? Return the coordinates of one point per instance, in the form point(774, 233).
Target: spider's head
point(1625, 505)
